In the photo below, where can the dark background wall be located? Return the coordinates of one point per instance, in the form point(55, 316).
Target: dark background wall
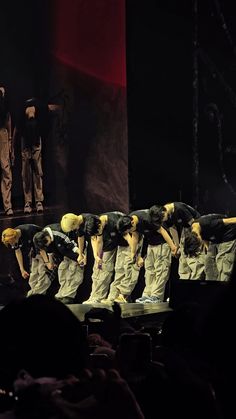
point(159, 65)
point(74, 48)
point(161, 89)
point(72, 52)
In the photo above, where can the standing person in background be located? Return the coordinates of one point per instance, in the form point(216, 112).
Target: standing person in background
point(6, 152)
point(179, 217)
point(31, 129)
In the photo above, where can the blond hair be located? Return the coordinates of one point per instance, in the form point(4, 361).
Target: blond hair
point(9, 236)
point(69, 222)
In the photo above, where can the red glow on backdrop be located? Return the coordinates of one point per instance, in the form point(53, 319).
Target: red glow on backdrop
point(90, 37)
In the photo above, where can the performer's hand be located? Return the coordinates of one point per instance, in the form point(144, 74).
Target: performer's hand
point(178, 253)
point(174, 250)
point(82, 260)
point(140, 261)
point(133, 258)
point(99, 262)
point(24, 274)
point(50, 266)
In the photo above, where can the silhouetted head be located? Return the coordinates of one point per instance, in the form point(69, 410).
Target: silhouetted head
point(42, 336)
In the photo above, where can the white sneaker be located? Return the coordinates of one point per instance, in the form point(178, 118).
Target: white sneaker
point(107, 301)
point(90, 301)
point(142, 299)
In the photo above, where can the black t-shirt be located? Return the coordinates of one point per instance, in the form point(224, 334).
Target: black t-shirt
point(81, 230)
point(25, 242)
point(182, 215)
point(213, 228)
point(146, 228)
point(31, 130)
point(31, 134)
point(111, 236)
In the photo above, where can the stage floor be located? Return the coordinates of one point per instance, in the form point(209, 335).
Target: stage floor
point(127, 310)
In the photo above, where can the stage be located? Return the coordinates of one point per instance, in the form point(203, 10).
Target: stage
point(134, 315)
point(127, 310)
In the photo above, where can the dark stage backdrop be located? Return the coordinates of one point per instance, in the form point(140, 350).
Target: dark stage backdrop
point(167, 160)
point(89, 56)
point(72, 52)
point(159, 92)
point(216, 55)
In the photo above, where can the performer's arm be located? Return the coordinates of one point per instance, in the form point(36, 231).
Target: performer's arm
point(97, 248)
point(229, 220)
point(134, 244)
point(20, 261)
point(168, 240)
point(175, 236)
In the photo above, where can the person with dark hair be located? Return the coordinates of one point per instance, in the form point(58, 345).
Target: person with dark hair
point(92, 225)
point(139, 226)
point(124, 224)
point(53, 245)
point(20, 239)
point(6, 152)
point(105, 241)
point(216, 235)
point(179, 216)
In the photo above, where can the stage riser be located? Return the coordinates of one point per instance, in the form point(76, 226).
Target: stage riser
point(192, 291)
